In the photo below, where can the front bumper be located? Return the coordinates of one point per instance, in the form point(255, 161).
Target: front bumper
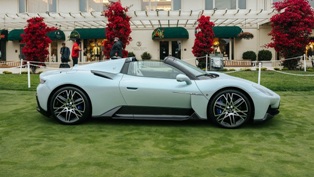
point(40, 109)
point(271, 112)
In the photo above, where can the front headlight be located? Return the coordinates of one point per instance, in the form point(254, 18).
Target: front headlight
point(263, 90)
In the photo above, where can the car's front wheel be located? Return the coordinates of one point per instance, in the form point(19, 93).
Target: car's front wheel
point(70, 105)
point(230, 108)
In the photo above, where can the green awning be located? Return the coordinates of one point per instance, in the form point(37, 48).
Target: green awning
point(88, 33)
point(56, 35)
point(3, 35)
point(226, 31)
point(170, 33)
point(15, 35)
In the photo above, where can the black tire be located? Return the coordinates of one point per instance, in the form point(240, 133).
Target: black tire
point(230, 109)
point(70, 105)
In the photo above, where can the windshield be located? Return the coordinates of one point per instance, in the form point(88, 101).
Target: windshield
point(193, 69)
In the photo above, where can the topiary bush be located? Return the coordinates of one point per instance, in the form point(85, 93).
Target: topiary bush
point(284, 69)
point(309, 69)
point(246, 69)
point(249, 55)
point(262, 69)
point(7, 72)
point(131, 54)
point(146, 56)
point(264, 55)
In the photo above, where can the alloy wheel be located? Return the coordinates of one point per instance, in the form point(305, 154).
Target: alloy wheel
point(230, 109)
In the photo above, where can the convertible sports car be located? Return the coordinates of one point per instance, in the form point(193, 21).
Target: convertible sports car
point(170, 89)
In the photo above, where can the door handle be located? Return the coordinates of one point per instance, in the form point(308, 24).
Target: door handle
point(132, 88)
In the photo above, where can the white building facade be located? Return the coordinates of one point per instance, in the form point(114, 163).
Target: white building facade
point(177, 19)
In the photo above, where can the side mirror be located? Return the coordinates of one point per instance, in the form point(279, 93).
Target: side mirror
point(183, 78)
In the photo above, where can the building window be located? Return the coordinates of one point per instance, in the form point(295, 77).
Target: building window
point(22, 6)
point(151, 5)
point(96, 5)
point(176, 5)
point(242, 4)
point(52, 5)
point(225, 4)
point(93, 5)
point(209, 4)
point(37, 6)
point(83, 5)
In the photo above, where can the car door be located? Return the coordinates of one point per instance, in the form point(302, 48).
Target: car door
point(155, 85)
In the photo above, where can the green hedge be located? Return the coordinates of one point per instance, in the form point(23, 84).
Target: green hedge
point(264, 55)
point(249, 55)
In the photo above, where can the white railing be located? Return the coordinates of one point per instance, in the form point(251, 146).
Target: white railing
point(228, 63)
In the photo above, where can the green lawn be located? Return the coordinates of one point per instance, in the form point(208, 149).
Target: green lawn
point(32, 145)
point(18, 82)
point(286, 81)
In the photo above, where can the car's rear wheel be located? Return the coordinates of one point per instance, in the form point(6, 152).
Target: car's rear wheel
point(70, 105)
point(230, 108)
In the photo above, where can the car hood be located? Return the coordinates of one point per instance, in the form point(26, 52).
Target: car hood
point(226, 80)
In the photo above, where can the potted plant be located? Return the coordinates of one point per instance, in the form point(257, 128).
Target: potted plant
point(245, 35)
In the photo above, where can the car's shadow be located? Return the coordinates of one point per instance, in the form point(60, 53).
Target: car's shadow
point(165, 123)
point(149, 122)
point(185, 123)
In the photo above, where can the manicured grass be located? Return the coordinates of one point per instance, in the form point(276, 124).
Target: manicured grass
point(18, 82)
point(285, 81)
point(33, 145)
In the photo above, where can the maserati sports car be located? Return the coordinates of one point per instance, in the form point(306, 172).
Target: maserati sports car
point(169, 89)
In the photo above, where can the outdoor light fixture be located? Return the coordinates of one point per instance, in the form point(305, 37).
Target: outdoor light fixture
point(216, 42)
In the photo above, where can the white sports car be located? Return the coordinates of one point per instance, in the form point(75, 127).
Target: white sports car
point(170, 89)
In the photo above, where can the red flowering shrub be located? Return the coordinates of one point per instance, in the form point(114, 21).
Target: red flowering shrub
point(36, 40)
point(118, 26)
point(203, 39)
point(291, 29)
